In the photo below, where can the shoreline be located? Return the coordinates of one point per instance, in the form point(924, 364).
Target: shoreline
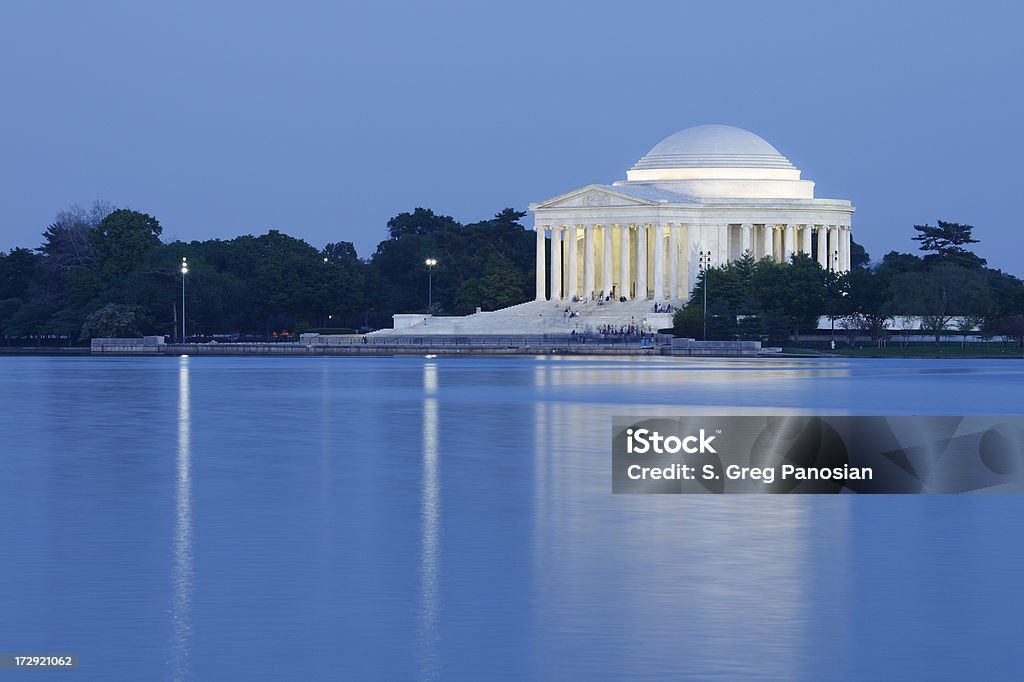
point(303, 350)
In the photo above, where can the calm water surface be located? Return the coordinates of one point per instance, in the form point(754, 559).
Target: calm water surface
point(451, 518)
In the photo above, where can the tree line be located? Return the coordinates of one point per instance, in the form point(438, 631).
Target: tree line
point(105, 271)
point(949, 290)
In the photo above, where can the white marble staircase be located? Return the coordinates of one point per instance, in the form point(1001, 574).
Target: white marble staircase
point(543, 317)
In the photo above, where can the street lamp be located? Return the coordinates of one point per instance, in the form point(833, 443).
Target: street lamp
point(329, 316)
point(431, 262)
point(184, 271)
point(705, 264)
point(832, 299)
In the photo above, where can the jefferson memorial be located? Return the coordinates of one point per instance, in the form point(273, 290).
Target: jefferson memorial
point(700, 197)
point(628, 253)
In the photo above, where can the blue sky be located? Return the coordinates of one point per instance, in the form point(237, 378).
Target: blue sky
point(324, 119)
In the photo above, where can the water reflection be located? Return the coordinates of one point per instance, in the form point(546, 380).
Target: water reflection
point(181, 605)
point(569, 371)
point(430, 543)
point(728, 576)
point(533, 571)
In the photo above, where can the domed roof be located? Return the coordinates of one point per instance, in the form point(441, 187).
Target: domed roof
point(713, 146)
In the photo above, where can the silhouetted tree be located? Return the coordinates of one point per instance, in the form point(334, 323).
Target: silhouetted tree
point(67, 242)
point(422, 222)
point(946, 242)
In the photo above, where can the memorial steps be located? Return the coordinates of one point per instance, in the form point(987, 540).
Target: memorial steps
point(541, 317)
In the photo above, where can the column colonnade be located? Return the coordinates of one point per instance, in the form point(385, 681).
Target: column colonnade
point(653, 260)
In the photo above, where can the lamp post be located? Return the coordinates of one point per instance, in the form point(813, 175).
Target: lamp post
point(705, 264)
point(327, 317)
point(832, 299)
point(431, 262)
point(184, 271)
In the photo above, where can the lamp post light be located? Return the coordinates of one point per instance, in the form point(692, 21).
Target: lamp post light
point(705, 265)
point(431, 262)
point(326, 316)
point(184, 271)
point(833, 265)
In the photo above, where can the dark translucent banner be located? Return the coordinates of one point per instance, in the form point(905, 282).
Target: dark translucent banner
point(817, 454)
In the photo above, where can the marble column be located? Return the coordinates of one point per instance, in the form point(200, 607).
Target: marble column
point(746, 243)
point(588, 262)
point(607, 275)
point(833, 247)
point(769, 241)
point(845, 242)
point(673, 260)
point(540, 263)
point(556, 263)
point(823, 246)
point(723, 246)
point(659, 262)
point(624, 260)
point(787, 246)
point(641, 261)
point(572, 286)
point(805, 234)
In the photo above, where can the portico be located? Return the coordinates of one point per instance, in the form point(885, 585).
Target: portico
point(711, 189)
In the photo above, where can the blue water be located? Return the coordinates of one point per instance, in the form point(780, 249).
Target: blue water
point(451, 518)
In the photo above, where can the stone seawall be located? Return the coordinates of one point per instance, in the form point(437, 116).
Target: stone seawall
point(292, 349)
point(438, 345)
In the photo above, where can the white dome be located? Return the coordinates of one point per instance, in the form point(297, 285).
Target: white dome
point(713, 146)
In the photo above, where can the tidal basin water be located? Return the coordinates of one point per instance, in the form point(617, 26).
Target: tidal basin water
point(452, 518)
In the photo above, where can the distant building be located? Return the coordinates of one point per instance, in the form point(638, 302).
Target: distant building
point(703, 195)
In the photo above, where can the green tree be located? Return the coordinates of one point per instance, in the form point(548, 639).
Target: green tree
point(19, 270)
point(474, 263)
point(122, 240)
point(859, 257)
point(500, 286)
point(796, 291)
point(286, 279)
point(688, 322)
point(399, 264)
point(894, 263)
point(868, 299)
point(8, 309)
point(340, 252)
point(114, 320)
point(422, 222)
point(32, 318)
point(1007, 293)
point(342, 286)
point(940, 293)
point(732, 306)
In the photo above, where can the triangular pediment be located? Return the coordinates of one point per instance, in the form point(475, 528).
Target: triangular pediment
point(594, 196)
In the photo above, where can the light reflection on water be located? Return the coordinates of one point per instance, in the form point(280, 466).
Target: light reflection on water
point(394, 518)
point(430, 516)
point(181, 615)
